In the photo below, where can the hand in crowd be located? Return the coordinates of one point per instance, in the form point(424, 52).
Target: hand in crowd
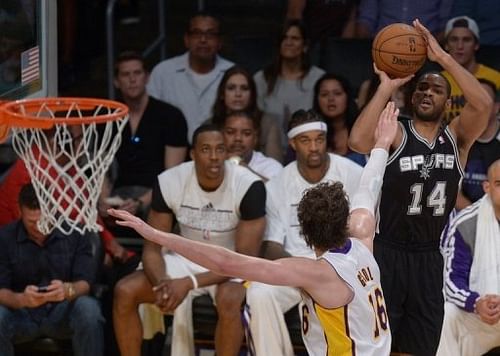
point(171, 292)
point(33, 298)
point(488, 308)
point(434, 50)
point(54, 293)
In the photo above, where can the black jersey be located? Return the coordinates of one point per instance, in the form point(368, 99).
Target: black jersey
point(420, 187)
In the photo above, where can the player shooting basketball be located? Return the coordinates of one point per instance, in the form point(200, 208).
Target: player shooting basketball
point(419, 191)
point(344, 265)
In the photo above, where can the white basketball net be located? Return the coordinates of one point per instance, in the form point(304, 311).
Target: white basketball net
point(67, 168)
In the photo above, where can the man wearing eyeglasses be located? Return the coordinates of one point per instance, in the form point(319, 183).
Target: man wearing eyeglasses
point(190, 81)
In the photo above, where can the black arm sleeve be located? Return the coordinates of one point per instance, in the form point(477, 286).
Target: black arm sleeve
point(157, 202)
point(253, 204)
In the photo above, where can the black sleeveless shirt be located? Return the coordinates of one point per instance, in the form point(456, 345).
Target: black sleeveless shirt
point(420, 188)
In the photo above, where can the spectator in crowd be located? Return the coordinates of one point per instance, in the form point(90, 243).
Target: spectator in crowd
point(485, 13)
point(419, 191)
point(154, 139)
point(343, 310)
point(287, 84)
point(190, 81)
point(373, 15)
point(334, 100)
point(482, 154)
point(237, 92)
point(324, 19)
point(240, 131)
point(282, 238)
point(471, 249)
point(44, 284)
point(462, 42)
point(213, 202)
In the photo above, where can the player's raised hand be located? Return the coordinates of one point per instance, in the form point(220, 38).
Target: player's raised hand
point(434, 50)
point(393, 83)
point(387, 126)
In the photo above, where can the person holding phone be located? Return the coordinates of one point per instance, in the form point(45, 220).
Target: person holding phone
point(44, 284)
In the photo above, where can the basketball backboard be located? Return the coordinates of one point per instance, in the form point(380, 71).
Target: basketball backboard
point(28, 49)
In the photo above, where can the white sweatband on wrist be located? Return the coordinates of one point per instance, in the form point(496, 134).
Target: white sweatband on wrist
point(370, 183)
point(195, 281)
point(309, 126)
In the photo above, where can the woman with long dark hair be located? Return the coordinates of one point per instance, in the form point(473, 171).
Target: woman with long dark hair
point(287, 84)
point(334, 100)
point(237, 92)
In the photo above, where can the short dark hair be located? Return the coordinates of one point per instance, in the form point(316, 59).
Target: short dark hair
point(300, 117)
point(204, 128)
point(243, 113)
point(128, 56)
point(448, 85)
point(204, 13)
point(323, 214)
point(28, 198)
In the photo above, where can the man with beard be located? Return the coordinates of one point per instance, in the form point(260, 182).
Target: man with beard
point(266, 304)
point(419, 191)
point(213, 202)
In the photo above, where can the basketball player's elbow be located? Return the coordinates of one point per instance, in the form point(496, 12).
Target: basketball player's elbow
point(359, 144)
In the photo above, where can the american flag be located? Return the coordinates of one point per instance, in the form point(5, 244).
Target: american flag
point(30, 69)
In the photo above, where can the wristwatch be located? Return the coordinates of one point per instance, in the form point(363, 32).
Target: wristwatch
point(70, 290)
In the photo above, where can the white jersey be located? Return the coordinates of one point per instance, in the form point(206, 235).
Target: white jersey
point(284, 193)
point(358, 328)
point(210, 217)
point(265, 166)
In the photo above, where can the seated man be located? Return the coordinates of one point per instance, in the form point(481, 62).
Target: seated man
point(154, 139)
point(215, 203)
point(44, 282)
point(241, 132)
point(471, 247)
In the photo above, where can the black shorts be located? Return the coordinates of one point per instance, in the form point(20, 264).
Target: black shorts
point(412, 281)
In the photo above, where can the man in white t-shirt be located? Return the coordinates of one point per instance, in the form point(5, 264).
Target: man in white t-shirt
point(241, 132)
point(213, 202)
point(190, 81)
point(266, 304)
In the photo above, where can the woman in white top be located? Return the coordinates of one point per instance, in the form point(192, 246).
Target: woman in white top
point(287, 84)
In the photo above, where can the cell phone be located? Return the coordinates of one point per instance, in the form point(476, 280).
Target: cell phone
point(43, 289)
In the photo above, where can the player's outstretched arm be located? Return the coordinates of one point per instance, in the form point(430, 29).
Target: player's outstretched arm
point(361, 137)
point(362, 220)
point(294, 271)
point(474, 116)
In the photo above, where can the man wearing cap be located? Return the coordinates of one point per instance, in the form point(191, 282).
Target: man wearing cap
point(266, 304)
point(462, 42)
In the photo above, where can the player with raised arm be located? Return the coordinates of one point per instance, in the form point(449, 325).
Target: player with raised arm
point(354, 318)
point(419, 191)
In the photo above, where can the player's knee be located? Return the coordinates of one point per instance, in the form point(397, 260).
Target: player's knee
point(125, 292)
point(229, 298)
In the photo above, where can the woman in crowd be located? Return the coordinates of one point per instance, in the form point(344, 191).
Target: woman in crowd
point(334, 100)
point(287, 84)
point(237, 92)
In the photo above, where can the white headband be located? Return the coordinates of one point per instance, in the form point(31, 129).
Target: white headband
point(309, 126)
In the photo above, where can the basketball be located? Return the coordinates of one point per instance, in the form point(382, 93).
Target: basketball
point(399, 50)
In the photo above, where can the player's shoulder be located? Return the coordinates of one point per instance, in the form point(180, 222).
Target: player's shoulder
point(177, 175)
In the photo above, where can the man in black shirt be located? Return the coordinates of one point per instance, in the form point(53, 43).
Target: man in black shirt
point(44, 284)
point(154, 139)
point(419, 191)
